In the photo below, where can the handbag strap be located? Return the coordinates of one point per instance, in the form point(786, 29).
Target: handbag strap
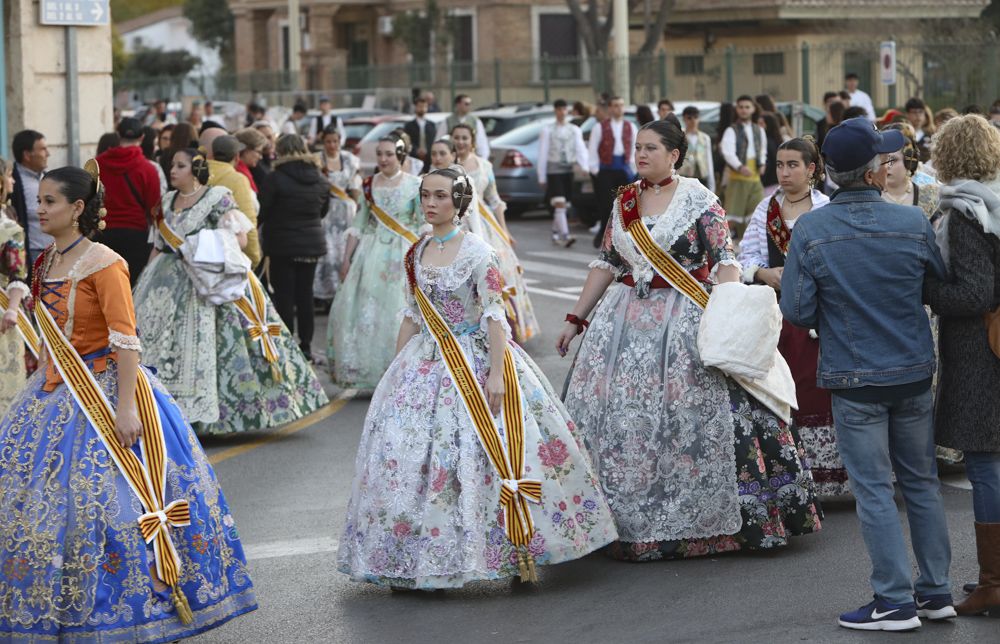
point(138, 199)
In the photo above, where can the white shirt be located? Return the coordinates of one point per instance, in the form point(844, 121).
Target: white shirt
point(29, 180)
point(315, 130)
point(617, 127)
point(570, 137)
point(728, 146)
point(860, 99)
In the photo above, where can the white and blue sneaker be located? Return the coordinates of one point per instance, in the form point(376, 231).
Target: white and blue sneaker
point(880, 615)
point(935, 607)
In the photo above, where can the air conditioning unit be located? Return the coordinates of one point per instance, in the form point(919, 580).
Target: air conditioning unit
point(385, 25)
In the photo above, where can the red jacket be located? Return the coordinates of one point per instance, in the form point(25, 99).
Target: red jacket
point(128, 209)
point(244, 169)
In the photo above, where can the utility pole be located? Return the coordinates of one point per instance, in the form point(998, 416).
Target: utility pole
point(621, 53)
point(294, 42)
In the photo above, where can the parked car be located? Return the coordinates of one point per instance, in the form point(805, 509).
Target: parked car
point(498, 122)
point(365, 149)
point(355, 129)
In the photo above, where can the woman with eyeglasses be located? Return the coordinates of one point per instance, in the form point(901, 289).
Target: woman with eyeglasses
point(901, 187)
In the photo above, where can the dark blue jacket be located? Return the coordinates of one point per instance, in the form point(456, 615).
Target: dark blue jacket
point(855, 272)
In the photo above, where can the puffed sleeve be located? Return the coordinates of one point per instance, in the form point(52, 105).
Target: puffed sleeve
point(360, 220)
point(713, 232)
point(114, 296)
point(489, 285)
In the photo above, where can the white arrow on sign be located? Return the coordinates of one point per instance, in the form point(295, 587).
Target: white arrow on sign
point(97, 11)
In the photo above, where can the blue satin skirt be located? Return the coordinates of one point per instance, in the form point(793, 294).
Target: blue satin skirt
point(73, 565)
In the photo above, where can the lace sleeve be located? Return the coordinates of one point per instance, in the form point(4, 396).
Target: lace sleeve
point(235, 221)
point(490, 286)
point(608, 258)
point(713, 232)
point(18, 285)
point(360, 220)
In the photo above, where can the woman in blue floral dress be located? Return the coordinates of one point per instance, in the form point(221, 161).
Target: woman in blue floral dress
point(74, 566)
point(690, 463)
point(203, 353)
point(425, 505)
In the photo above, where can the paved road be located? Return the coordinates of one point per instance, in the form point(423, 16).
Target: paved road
point(288, 490)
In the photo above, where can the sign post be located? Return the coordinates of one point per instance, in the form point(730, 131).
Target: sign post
point(887, 63)
point(72, 14)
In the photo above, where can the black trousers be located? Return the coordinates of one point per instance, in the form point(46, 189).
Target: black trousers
point(292, 283)
point(133, 245)
point(606, 186)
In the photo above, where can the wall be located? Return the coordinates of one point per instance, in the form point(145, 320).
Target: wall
point(36, 80)
point(173, 34)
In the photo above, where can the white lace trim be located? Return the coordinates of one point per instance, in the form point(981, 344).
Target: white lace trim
point(600, 263)
point(236, 221)
point(97, 258)
point(122, 341)
point(191, 220)
point(453, 276)
point(495, 312)
point(725, 262)
point(18, 285)
point(409, 313)
point(353, 232)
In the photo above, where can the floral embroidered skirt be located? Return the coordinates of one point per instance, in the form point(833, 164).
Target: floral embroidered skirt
point(425, 506)
point(214, 369)
point(814, 417)
point(73, 564)
point(690, 464)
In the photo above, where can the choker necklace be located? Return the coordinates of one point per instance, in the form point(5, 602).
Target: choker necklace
point(441, 240)
point(70, 247)
point(190, 194)
point(645, 185)
point(799, 200)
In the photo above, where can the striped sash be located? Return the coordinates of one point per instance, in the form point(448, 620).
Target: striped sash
point(24, 327)
point(253, 309)
point(661, 260)
point(147, 477)
point(516, 492)
point(385, 218)
point(490, 219)
point(340, 193)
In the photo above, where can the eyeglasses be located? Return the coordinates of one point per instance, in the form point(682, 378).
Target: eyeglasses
point(891, 162)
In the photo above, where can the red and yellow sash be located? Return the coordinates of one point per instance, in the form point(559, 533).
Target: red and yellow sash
point(516, 492)
point(488, 217)
point(661, 260)
point(147, 477)
point(24, 327)
point(254, 308)
point(385, 218)
point(340, 193)
point(777, 229)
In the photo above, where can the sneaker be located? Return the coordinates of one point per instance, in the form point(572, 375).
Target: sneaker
point(880, 615)
point(596, 228)
point(935, 607)
point(569, 241)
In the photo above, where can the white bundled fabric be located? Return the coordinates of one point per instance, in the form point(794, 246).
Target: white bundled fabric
point(739, 329)
point(215, 262)
point(739, 334)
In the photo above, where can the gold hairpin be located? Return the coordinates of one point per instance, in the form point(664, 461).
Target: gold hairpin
point(94, 170)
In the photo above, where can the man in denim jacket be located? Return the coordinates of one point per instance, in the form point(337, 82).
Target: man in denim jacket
point(855, 272)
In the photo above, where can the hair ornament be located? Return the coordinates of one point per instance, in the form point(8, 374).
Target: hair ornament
point(94, 170)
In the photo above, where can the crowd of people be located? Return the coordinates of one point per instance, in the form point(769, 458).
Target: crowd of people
point(676, 434)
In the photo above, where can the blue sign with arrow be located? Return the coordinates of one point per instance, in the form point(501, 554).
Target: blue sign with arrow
point(79, 13)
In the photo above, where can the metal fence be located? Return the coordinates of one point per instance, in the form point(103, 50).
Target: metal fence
point(944, 74)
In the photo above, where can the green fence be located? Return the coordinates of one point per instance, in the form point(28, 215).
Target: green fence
point(943, 73)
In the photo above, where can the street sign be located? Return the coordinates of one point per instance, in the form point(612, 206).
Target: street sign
point(79, 13)
point(887, 60)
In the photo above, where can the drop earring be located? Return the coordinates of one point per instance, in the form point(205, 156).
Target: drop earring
point(456, 220)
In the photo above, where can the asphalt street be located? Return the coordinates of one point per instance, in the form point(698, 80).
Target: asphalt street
point(288, 490)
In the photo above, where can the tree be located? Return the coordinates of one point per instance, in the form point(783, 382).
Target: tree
point(212, 24)
point(595, 22)
point(152, 63)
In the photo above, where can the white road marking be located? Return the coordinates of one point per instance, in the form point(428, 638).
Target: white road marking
point(555, 253)
point(556, 294)
point(957, 480)
point(290, 548)
point(544, 268)
point(570, 289)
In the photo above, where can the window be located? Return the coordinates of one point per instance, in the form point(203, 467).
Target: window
point(463, 48)
point(769, 64)
point(689, 65)
point(558, 41)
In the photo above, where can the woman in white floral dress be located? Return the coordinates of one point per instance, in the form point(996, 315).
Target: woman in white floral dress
point(340, 168)
point(690, 463)
point(519, 308)
point(425, 507)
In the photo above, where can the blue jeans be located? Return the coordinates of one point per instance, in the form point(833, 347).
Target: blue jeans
point(874, 439)
point(983, 470)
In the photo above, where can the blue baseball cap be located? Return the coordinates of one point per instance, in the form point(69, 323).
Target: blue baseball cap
point(857, 141)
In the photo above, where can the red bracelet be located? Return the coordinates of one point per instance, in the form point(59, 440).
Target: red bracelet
point(580, 324)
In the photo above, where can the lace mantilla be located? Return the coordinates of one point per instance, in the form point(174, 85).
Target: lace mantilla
point(191, 220)
point(97, 258)
point(690, 201)
point(122, 341)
